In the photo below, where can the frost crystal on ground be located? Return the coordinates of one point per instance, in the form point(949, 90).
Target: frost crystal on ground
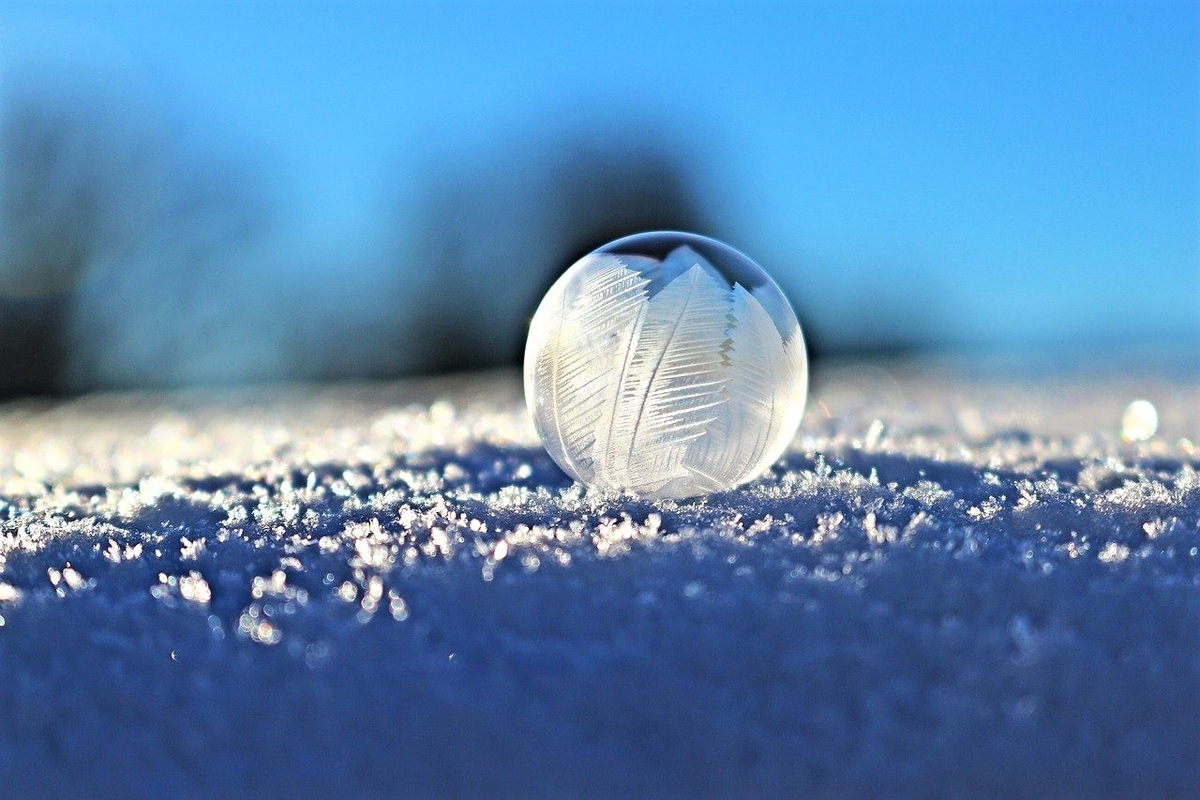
point(948, 585)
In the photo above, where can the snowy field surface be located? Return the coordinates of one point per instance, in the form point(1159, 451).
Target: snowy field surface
point(952, 584)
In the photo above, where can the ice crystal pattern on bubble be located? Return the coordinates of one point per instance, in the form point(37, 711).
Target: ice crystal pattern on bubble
point(689, 390)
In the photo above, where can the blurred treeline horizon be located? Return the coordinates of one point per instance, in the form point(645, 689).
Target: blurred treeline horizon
point(142, 248)
point(129, 262)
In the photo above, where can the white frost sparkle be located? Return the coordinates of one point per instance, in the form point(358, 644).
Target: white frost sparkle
point(1139, 422)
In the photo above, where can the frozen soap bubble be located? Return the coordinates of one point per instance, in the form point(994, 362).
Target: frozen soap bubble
point(666, 365)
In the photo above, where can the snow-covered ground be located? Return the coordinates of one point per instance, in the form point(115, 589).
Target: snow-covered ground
point(954, 583)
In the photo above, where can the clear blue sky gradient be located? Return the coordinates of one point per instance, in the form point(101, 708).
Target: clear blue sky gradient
point(1003, 172)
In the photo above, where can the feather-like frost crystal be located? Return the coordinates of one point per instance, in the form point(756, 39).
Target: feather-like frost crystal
point(667, 365)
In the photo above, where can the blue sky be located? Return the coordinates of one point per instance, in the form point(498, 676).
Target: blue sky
point(1006, 173)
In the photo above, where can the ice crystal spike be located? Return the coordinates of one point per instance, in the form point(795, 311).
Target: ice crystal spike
point(666, 365)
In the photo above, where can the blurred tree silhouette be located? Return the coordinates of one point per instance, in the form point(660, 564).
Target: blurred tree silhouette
point(126, 262)
point(68, 189)
point(32, 345)
point(494, 236)
point(189, 302)
point(601, 192)
point(118, 257)
point(68, 193)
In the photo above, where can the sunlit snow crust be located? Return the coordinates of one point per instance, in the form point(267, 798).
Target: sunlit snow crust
point(946, 586)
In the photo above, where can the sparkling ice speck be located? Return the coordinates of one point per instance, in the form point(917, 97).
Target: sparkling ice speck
point(667, 365)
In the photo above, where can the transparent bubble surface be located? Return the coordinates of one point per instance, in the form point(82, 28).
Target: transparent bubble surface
point(665, 364)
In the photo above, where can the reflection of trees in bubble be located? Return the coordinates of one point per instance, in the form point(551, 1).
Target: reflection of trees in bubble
point(492, 237)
